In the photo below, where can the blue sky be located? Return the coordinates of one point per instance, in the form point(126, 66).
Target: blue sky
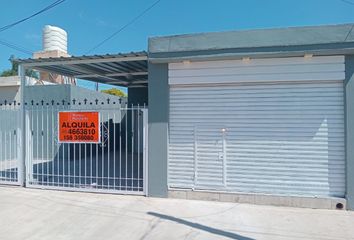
point(90, 21)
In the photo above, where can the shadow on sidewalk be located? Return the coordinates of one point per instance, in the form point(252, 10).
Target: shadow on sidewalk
point(200, 226)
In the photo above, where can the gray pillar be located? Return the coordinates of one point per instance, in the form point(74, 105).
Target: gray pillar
point(158, 129)
point(349, 129)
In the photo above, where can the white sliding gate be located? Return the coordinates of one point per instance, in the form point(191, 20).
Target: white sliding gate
point(9, 143)
point(116, 164)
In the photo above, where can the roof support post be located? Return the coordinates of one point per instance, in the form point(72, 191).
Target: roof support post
point(158, 98)
point(22, 131)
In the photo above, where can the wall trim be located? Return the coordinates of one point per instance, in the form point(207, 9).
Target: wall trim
point(349, 129)
point(260, 199)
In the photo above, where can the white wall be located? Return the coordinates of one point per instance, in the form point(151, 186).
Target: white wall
point(326, 68)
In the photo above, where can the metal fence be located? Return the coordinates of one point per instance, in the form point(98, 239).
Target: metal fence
point(116, 164)
point(9, 142)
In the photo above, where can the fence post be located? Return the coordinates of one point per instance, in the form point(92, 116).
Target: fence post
point(21, 161)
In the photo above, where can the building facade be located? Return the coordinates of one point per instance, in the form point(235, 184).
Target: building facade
point(262, 116)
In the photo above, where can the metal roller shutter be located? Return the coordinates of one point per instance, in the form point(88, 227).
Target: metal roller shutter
point(284, 138)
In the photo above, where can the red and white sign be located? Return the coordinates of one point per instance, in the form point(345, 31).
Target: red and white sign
point(79, 127)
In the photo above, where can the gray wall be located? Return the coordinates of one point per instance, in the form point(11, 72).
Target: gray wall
point(158, 129)
point(349, 118)
point(138, 96)
point(9, 93)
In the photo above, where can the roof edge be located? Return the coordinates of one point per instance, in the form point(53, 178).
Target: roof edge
point(224, 54)
point(132, 56)
point(256, 38)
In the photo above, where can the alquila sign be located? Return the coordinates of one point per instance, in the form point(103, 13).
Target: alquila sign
point(79, 127)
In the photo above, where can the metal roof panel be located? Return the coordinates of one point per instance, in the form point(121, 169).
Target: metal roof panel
point(121, 69)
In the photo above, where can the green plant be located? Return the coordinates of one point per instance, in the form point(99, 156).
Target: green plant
point(115, 92)
point(14, 70)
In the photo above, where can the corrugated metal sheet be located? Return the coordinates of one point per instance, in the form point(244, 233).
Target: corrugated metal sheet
point(209, 153)
point(280, 139)
point(123, 69)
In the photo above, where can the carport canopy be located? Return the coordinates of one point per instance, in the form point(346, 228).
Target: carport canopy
point(123, 69)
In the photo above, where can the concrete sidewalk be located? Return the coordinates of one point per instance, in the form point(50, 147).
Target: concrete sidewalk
point(42, 215)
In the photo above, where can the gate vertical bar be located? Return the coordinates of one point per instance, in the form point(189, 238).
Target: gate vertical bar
point(132, 148)
point(53, 145)
point(21, 162)
point(63, 158)
point(29, 148)
point(114, 151)
point(138, 131)
point(102, 148)
point(42, 139)
point(108, 149)
point(48, 157)
point(126, 150)
point(37, 143)
point(120, 148)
